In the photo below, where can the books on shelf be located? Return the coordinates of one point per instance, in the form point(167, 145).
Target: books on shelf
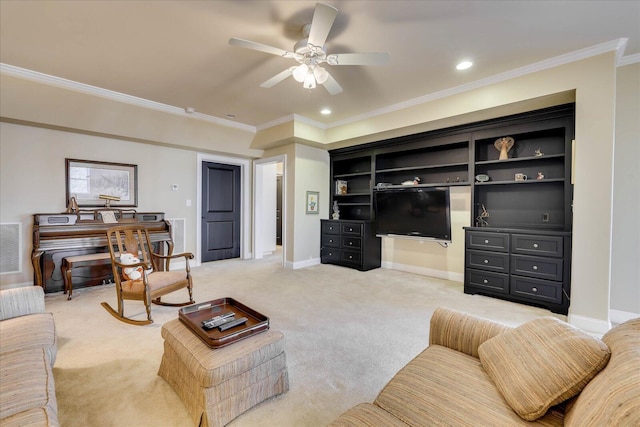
point(341, 186)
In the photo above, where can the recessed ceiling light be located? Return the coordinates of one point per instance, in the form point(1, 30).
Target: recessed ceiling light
point(325, 111)
point(464, 65)
point(190, 110)
point(231, 116)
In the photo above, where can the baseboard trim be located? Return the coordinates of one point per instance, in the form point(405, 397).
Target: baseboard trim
point(303, 264)
point(619, 316)
point(589, 324)
point(422, 271)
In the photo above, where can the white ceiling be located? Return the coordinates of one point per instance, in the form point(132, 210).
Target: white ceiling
point(177, 52)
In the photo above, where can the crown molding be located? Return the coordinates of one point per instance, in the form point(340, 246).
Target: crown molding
point(23, 73)
point(617, 46)
point(629, 59)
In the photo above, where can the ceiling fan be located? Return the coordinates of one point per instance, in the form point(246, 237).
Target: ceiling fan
point(310, 53)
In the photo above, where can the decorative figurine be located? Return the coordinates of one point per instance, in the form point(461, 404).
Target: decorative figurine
point(416, 181)
point(480, 220)
point(503, 145)
point(538, 153)
point(336, 210)
point(540, 176)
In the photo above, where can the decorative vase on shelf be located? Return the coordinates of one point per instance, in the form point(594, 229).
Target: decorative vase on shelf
point(503, 145)
point(336, 210)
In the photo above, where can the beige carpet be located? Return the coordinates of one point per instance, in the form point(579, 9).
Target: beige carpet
point(347, 333)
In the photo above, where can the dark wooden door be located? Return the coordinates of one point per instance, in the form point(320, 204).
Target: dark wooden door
point(220, 211)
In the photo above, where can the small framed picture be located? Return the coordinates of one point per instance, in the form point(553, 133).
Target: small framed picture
point(313, 202)
point(341, 186)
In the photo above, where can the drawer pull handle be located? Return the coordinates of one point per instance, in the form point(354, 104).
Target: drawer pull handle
point(535, 267)
point(486, 241)
point(486, 261)
point(350, 243)
point(351, 229)
point(350, 256)
point(330, 253)
point(535, 245)
point(534, 289)
point(485, 281)
point(330, 240)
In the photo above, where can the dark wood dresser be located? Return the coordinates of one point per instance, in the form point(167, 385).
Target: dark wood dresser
point(350, 243)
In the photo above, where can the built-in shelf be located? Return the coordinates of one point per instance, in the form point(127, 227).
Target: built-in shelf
point(521, 159)
point(527, 182)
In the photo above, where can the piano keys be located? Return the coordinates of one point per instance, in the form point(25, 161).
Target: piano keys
point(56, 236)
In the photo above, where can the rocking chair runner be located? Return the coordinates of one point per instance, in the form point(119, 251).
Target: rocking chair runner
point(153, 283)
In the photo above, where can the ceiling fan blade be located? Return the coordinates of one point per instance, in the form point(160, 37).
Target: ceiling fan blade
point(261, 47)
point(278, 78)
point(358, 58)
point(332, 86)
point(323, 18)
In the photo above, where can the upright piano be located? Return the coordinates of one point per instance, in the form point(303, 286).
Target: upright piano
point(56, 236)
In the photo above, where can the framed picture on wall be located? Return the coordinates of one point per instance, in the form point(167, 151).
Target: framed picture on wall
point(87, 180)
point(313, 202)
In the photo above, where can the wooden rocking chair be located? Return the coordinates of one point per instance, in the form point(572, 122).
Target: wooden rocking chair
point(143, 280)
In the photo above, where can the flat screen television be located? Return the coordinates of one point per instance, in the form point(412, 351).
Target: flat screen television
point(419, 212)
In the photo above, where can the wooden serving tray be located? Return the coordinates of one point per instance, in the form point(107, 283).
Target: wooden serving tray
point(193, 315)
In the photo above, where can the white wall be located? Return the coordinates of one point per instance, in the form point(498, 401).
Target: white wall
point(268, 210)
point(311, 174)
point(32, 178)
point(625, 265)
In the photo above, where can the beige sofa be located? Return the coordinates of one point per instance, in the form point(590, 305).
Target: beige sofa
point(27, 354)
point(479, 373)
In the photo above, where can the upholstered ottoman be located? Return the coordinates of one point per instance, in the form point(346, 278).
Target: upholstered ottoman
point(217, 385)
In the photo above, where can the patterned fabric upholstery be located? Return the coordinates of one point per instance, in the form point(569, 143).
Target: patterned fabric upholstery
point(612, 398)
point(21, 301)
point(447, 385)
point(27, 353)
point(367, 415)
point(542, 363)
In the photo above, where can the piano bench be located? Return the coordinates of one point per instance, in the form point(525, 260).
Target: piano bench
point(71, 262)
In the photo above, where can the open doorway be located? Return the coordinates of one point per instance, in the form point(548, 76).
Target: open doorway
point(269, 236)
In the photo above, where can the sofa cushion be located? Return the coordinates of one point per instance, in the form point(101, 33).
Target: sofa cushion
point(29, 332)
point(612, 398)
point(42, 416)
point(367, 415)
point(26, 382)
point(542, 363)
point(442, 386)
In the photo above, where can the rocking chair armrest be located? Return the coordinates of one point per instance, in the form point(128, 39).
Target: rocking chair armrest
point(144, 265)
point(188, 255)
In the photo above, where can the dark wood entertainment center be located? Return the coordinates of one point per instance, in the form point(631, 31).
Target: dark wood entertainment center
point(522, 250)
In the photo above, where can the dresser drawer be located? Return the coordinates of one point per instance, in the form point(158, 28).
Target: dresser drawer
point(537, 245)
point(352, 229)
point(330, 227)
point(542, 268)
point(330, 255)
point(351, 257)
point(492, 261)
point(331, 240)
point(498, 242)
point(496, 282)
point(351, 242)
point(542, 290)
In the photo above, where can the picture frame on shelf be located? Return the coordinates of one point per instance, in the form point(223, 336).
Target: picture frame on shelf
point(312, 202)
point(87, 180)
point(341, 187)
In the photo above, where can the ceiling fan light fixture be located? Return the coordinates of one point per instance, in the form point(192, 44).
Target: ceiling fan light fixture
point(300, 73)
point(320, 74)
point(309, 81)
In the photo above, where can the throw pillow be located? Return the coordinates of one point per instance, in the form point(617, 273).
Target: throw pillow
point(542, 363)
